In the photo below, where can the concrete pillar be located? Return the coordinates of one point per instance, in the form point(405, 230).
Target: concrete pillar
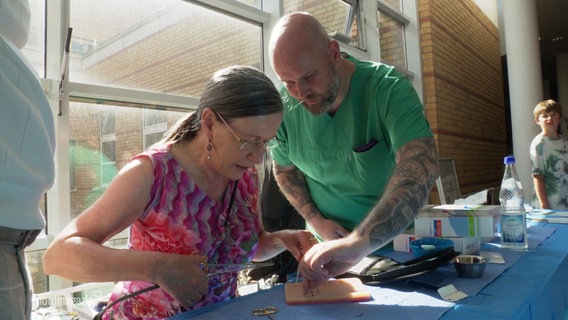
point(525, 83)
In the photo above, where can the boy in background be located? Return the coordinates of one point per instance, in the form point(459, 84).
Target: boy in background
point(549, 159)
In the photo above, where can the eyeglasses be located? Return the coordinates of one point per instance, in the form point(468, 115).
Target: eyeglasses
point(250, 144)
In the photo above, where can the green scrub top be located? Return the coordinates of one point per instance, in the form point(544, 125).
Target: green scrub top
point(348, 159)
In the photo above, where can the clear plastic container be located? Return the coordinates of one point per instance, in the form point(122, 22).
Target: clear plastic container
point(513, 216)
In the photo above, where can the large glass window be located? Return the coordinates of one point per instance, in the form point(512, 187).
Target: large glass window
point(168, 46)
point(104, 138)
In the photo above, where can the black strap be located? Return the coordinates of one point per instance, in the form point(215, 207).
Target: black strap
point(235, 184)
point(409, 268)
point(99, 315)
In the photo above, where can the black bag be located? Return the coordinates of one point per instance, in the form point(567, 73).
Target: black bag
point(384, 269)
point(277, 214)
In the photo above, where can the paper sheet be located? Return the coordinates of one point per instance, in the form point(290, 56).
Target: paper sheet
point(476, 198)
point(450, 293)
point(492, 256)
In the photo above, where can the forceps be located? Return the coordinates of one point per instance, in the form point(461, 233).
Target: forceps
point(268, 312)
point(212, 269)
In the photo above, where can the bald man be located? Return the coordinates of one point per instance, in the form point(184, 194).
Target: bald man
point(357, 157)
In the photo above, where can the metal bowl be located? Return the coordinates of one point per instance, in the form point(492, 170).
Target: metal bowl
point(469, 266)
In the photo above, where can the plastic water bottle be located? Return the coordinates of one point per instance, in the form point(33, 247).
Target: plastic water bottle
point(513, 218)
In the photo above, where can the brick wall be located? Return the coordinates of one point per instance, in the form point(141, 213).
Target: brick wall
point(463, 90)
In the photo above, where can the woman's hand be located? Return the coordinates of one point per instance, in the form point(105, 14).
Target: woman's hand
point(183, 277)
point(297, 242)
point(272, 243)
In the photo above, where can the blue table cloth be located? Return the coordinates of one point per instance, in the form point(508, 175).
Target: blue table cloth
point(530, 285)
point(535, 287)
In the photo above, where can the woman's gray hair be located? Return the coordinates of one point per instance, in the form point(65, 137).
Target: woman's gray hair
point(233, 92)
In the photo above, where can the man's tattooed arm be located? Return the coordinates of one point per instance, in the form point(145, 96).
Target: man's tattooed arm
point(404, 195)
point(293, 184)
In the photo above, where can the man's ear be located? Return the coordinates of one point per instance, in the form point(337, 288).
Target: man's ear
point(334, 50)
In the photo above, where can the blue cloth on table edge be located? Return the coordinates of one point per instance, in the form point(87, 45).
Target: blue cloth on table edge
point(409, 305)
point(422, 284)
point(544, 290)
point(445, 274)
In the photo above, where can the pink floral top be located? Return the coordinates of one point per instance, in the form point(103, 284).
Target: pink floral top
point(180, 218)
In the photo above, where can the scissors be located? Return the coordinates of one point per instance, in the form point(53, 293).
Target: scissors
point(212, 269)
point(268, 312)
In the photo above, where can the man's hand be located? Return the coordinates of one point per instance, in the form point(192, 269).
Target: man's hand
point(332, 258)
point(327, 229)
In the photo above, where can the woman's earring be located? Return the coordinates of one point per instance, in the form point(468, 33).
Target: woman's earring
point(209, 147)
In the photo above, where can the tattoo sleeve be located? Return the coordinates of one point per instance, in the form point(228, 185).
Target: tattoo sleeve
point(293, 185)
point(404, 195)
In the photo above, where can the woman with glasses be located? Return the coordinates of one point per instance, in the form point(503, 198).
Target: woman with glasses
point(190, 202)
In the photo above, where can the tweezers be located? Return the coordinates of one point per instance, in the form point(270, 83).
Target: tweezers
point(214, 268)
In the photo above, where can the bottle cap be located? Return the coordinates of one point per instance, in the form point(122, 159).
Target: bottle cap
point(509, 160)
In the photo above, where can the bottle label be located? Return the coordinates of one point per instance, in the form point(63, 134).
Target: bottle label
point(512, 229)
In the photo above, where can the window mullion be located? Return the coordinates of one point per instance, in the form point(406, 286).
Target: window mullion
point(93, 92)
point(394, 14)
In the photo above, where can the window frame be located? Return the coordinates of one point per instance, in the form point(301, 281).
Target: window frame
point(106, 138)
point(149, 129)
